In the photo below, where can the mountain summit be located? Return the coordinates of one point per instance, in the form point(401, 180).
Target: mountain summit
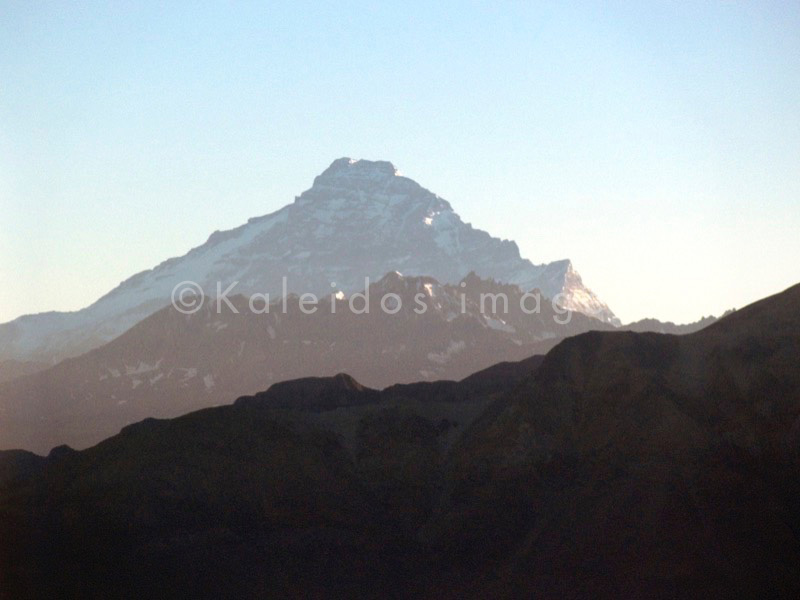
point(348, 170)
point(359, 219)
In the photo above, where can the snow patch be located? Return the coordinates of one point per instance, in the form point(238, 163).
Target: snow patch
point(499, 325)
point(189, 373)
point(445, 356)
point(208, 381)
point(142, 367)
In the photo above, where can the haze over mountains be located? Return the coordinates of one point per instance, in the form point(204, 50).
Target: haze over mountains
point(286, 375)
point(449, 443)
point(359, 219)
point(621, 465)
point(172, 363)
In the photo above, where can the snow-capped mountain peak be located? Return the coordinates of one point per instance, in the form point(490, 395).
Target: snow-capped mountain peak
point(360, 219)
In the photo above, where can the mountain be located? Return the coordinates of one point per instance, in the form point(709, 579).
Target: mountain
point(656, 326)
point(621, 465)
point(172, 363)
point(11, 369)
point(642, 465)
point(359, 219)
point(276, 496)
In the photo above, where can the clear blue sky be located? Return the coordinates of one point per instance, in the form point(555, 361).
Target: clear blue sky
point(657, 146)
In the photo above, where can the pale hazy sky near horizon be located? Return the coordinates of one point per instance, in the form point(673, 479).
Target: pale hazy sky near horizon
point(656, 145)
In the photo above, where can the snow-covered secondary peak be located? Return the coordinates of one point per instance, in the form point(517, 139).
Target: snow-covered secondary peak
point(360, 219)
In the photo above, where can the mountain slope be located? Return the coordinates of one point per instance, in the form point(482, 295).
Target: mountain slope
point(656, 326)
point(643, 465)
point(359, 219)
point(266, 498)
point(11, 369)
point(624, 465)
point(171, 363)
